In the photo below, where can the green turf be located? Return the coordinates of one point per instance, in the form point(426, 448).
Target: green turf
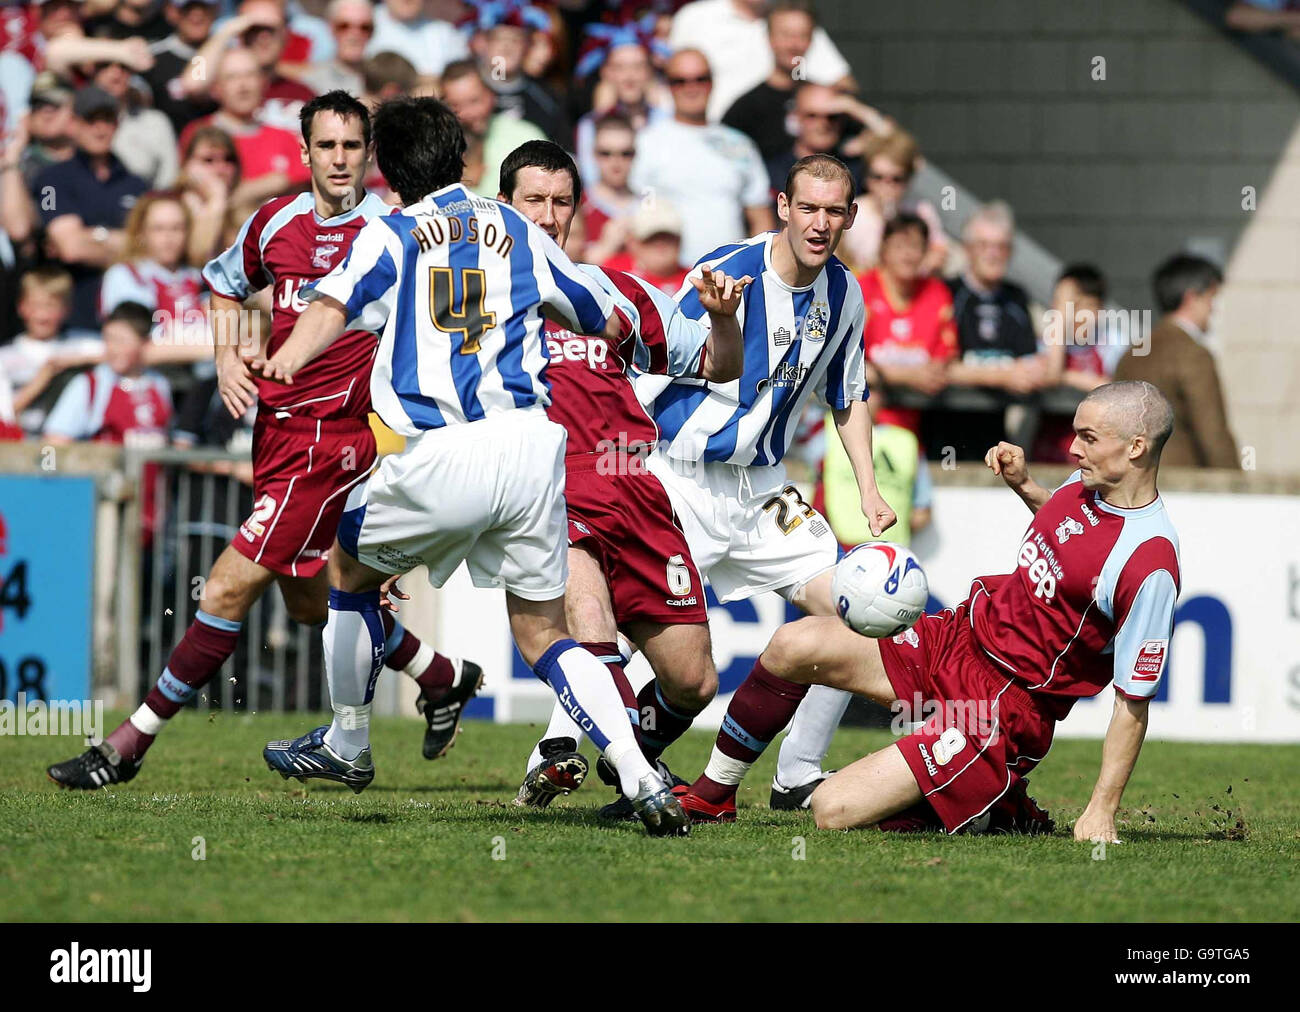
point(1211, 834)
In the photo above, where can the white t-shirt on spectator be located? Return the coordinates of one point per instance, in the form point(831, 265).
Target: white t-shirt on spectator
point(430, 45)
point(23, 358)
point(16, 77)
point(709, 174)
point(6, 398)
point(738, 51)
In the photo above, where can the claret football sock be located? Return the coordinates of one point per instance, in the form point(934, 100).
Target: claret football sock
point(354, 655)
point(608, 654)
point(759, 710)
point(661, 723)
point(799, 761)
point(583, 686)
point(206, 645)
point(407, 653)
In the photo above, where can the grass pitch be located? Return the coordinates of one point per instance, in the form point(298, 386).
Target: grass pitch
point(1211, 833)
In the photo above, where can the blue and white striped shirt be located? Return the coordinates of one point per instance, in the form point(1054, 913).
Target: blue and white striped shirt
point(798, 342)
point(455, 286)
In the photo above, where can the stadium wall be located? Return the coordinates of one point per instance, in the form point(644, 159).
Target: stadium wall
point(1120, 162)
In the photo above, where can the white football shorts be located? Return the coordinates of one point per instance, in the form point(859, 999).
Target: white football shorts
point(748, 528)
point(488, 493)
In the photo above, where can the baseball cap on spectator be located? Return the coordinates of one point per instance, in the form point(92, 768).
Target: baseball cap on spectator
point(656, 218)
point(91, 101)
point(50, 89)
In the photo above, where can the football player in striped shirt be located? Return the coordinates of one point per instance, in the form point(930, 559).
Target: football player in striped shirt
point(630, 567)
point(458, 288)
point(311, 444)
point(722, 445)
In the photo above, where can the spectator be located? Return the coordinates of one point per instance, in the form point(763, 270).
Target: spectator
point(503, 39)
point(192, 23)
point(489, 135)
point(817, 111)
point(117, 401)
point(208, 185)
point(9, 427)
point(1182, 368)
point(145, 141)
point(654, 248)
point(154, 273)
point(270, 158)
point(387, 75)
point(711, 174)
point(892, 159)
point(430, 45)
point(910, 338)
point(764, 112)
point(84, 201)
point(352, 23)
point(49, 126)
point(998, 346)
point(732, 34)
point(129, 19)
point(43, 350)
point(1073, 337)
point(608, 205)
point(16, 79)
point(266, 36)
point(627, 88)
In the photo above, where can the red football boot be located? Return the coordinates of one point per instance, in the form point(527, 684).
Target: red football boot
point(703, 811)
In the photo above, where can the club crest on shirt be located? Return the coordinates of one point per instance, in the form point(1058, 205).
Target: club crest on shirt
point(816, 322)
point(323, 256)
point(1068, 528)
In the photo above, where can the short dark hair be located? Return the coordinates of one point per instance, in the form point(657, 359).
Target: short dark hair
point(336, 101)
point(134, 315)
point(419, 145)
point(821, 166)
point(387, 68)
point(903, 221)
point(457, 69)
point(545, 155)
point(1088, 279)
point(805, 7)
point(1180, 274)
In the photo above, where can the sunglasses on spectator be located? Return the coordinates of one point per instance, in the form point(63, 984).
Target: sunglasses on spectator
point(356, 26)
point(616, 152)
point(679, 82)
point(880, 177)
point(812, 114)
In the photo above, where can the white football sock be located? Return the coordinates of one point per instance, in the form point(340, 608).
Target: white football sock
point(584, 688)
point(354, 655)
point(800, 760)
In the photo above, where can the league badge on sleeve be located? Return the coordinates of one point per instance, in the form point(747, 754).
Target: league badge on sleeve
point(1150, 660)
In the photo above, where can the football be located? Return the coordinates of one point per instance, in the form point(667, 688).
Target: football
point(879, 589)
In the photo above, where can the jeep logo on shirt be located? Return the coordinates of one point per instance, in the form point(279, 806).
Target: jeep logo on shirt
point(570, 347)
point(1039, 571)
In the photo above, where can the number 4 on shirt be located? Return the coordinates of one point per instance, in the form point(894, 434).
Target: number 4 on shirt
point(472, 320)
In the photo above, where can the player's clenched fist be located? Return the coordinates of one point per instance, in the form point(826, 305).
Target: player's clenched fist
point(719, 292)
point(1008, 460)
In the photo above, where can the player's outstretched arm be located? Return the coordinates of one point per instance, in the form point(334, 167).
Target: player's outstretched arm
point(319, 326)
point(1008, 461)
point(724, 351)
point(1119, 753)
point(854, 427)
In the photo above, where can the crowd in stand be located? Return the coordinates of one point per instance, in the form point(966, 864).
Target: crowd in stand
point(138, 134)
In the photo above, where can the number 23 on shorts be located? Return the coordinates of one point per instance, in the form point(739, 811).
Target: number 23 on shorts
point(785, 505)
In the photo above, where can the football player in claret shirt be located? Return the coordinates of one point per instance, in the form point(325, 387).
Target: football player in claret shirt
point(1089, 603)
point(311, 444)
point(630, 567)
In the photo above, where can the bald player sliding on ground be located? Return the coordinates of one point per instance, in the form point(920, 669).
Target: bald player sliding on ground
point(1090, 601)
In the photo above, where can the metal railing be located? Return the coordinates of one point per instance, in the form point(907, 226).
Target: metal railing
point(198, 502)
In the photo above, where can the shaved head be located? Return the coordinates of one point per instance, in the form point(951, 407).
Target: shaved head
point(1135, 408)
